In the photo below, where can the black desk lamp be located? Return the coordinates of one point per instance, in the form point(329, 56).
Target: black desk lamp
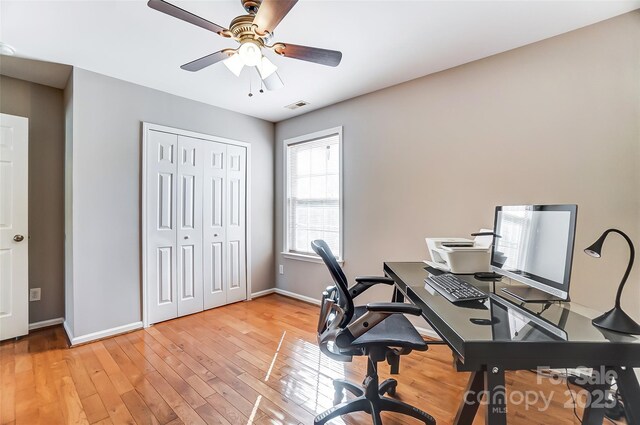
point(615, 319)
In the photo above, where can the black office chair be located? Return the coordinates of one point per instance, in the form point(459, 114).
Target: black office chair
point(378, 330)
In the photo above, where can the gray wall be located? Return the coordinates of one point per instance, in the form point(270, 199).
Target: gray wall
point(43, 106)
point(107, 116)
point(553, 122)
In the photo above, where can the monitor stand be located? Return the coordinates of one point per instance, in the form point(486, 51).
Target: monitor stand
point(531, 295)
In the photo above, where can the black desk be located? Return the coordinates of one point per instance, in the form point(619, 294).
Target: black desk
point(556, 336)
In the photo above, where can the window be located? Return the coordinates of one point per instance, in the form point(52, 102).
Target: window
point(313, 193)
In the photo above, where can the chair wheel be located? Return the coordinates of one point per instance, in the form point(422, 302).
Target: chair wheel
point(388, 387)
point(392, 391)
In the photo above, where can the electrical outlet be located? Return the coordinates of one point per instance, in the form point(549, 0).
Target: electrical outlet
point(34, 294)
point(281, 269)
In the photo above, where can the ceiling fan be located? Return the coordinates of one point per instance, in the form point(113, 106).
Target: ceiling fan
point(254, 32)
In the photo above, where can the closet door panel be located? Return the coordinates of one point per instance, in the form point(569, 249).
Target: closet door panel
point(189, 234)
point(236, 224)
point(214, 213)
point(161, 165)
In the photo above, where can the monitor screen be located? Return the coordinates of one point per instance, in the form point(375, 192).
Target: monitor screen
point(534, 245)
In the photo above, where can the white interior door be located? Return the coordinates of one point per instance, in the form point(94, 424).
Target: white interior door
point(215, 187)
point(161, 171)
point(236, 223)
point(14, 244)
point(189, 234)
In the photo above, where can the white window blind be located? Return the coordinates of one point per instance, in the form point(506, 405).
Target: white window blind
point(313, 194)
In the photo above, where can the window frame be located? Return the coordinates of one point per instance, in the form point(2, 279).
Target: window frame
point(285, 231)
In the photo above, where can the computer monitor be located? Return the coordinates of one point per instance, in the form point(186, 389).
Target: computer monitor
point(534, 246)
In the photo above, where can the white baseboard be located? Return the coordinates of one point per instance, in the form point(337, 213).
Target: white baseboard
point(65, 325)
point(285, 294)
point(263, 293)
point(82, 339)
point(297, 296)
point(43, 324)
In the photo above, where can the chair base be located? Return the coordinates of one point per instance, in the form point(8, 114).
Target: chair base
point(370, 398)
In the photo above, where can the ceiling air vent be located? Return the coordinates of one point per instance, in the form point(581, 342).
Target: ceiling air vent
point(296, 105)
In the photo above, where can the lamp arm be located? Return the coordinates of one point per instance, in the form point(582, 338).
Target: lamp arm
point(632, 255)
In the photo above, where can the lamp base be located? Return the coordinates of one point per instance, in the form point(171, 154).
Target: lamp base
point(617, 320)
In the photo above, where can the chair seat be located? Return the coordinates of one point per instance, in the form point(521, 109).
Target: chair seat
point(394, 331)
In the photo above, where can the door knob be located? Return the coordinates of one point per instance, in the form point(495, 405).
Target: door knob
point(186, 237)
point(215, 235)
point(18, 238)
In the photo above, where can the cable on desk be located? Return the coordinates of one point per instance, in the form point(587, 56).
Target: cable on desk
point(575, 412)
point(545, 308)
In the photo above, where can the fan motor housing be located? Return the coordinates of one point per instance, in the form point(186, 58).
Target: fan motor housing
point(242, 27)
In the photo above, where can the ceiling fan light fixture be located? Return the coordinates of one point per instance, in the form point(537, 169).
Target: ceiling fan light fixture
point(266, 67)
point(250, 53)
point(273, 82)
point(234, 63)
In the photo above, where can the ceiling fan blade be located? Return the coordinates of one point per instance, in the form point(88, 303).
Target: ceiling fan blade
point(208, 60)
point(310, 54)
point(177, 12)
point(271, 13)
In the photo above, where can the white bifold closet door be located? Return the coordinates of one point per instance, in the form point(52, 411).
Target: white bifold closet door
point(195, 224)
point(161, 236)
point(225, 278)
point(189, 214)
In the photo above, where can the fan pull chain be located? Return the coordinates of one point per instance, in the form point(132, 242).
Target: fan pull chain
point(250, 94)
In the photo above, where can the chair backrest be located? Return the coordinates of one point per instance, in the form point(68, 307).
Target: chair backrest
point(336, 308)
point(343, 298)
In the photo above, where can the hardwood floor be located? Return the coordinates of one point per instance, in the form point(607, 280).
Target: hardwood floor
point(248, 363)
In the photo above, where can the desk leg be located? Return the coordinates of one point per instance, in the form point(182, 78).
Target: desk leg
point(496, 394)
point(593, 415)
point(398, 296)
point(597, 402)
point(469, 406)
point(630, 392)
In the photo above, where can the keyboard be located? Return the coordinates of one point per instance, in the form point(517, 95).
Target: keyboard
point(455, 289)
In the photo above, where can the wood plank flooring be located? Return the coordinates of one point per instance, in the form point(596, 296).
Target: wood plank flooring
point(254, 362)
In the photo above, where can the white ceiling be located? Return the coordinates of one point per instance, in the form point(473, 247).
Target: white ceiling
point(383, 43)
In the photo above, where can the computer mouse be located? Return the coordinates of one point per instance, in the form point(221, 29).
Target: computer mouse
point(482, 322)
point(487, 276)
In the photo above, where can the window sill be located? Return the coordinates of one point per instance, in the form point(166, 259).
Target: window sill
point(308, 258)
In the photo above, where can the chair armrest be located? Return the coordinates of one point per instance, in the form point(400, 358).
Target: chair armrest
point(375, 279)
point(365, 282)
point(393, 308)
